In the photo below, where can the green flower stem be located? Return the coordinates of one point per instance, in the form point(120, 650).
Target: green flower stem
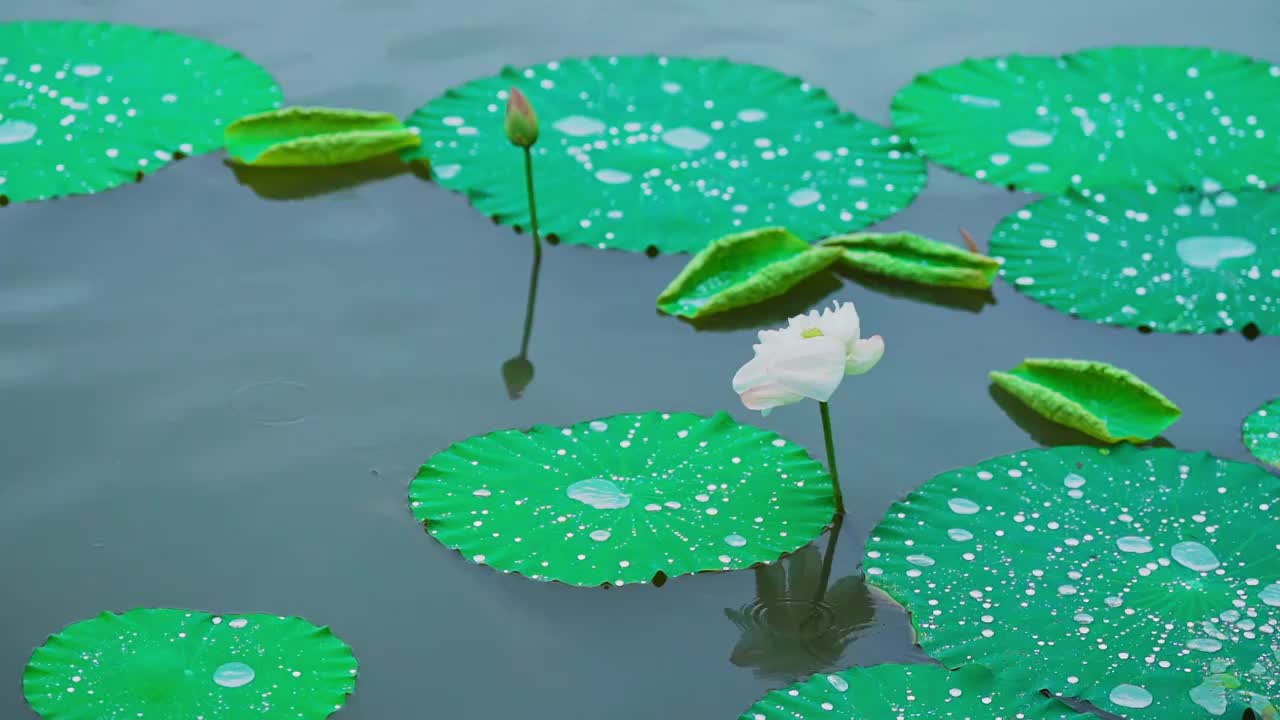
point(537, 254)
point(831, 459)
point(828, 557)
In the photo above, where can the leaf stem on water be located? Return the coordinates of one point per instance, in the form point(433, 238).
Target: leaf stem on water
point(831, 458)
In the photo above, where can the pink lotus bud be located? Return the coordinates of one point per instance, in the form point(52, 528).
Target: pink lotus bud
point(521, 124)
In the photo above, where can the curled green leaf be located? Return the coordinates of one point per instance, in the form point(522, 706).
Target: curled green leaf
point(301, 136)
point(1095, 398)
point(914, 258)
point(743, 269)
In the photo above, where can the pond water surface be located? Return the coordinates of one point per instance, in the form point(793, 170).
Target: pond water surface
point(213, 399)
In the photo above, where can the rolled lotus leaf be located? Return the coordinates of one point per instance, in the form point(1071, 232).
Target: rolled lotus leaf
point(301, 136)
point(1093, 397)
point(741, 270)
point(914, 258)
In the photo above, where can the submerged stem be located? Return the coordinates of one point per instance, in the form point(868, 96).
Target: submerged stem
point(831, 458)
point(828, 558)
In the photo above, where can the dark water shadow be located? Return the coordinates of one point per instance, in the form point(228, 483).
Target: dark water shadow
point(297, 183)
point(951, 298)
point(774, 311)
point(799, 622)
point(1046, 432)
point(517, 373)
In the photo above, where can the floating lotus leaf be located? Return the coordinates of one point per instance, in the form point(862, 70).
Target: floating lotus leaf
point(622, 499)
point(672, 153)
point(1145, 581)
point(1095, 398)
point(911, 257)
point(906, 692)
point(1169, 262)
point(186, 664)
point(741, 270)
point(1137, 117)
point(301, 136)
point(1261, 433)
point(85, 107)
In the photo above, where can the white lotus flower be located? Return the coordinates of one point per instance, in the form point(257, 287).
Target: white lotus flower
point(807, 359)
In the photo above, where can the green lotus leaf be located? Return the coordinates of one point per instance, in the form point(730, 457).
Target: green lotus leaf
point(1173, 262)
point(162, 663)
point(624, 499)
point(906, 692)
point(1261, 433)
point(1135, 117)
point(1127, 577)
point(742, 269)
point(1095, 398)
point(640, 152)
point(302, 136)
point(911, 257)
point(86, 107)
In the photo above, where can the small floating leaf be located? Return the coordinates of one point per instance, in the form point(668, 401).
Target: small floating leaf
point(300, 136)
point(1173, 262)
point(620, 499)
point(1135, 117)
point(166, 663)
point(86, 107)
point(668, 152)
point(741, 270)
point(1261, 433)
point(1095, 398)
point(1127, 577)
point(911, 257)
point(907, 692)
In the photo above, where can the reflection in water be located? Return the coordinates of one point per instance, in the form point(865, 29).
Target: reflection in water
point(517, 372)
point(296, 183)
point(1045, 431)
point(798, 625)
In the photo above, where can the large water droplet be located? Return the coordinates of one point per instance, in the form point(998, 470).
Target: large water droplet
point(87, 70)
point(838, 683)
point(1211, 694)
point(1134, 544)
point(686, 138)
point(1194, 556)
point(600, 535)
point(1131, 696)
point(16, 131)
point(613, 177)
point(921, 560)
point(962, 506)
point(1271, 594)
point(1208, 251)
point(1029, 138)
point(752, 115)
point(735, 540)
point(959, 534)
point(579, 126)
point(1073, 481)
point(599, 493)
point(1205, 644)
point(804, 197)
point(233, 675)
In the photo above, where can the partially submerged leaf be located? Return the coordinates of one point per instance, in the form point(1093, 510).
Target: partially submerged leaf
point(621, 499)
point(1127, 577)
point(301, 136)
point(908, 692)
point(741, 270)
point(1095, 398)
point(166, 663)
point(911, 257)
point(1261, 433)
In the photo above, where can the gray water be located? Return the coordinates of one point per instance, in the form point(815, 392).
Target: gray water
point(213, 399)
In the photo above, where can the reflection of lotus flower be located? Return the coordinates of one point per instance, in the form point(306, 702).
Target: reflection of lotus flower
point(794, 629)
point(521, 123)
point(808, 358)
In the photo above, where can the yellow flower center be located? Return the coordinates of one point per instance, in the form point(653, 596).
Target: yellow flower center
point(811, 333)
